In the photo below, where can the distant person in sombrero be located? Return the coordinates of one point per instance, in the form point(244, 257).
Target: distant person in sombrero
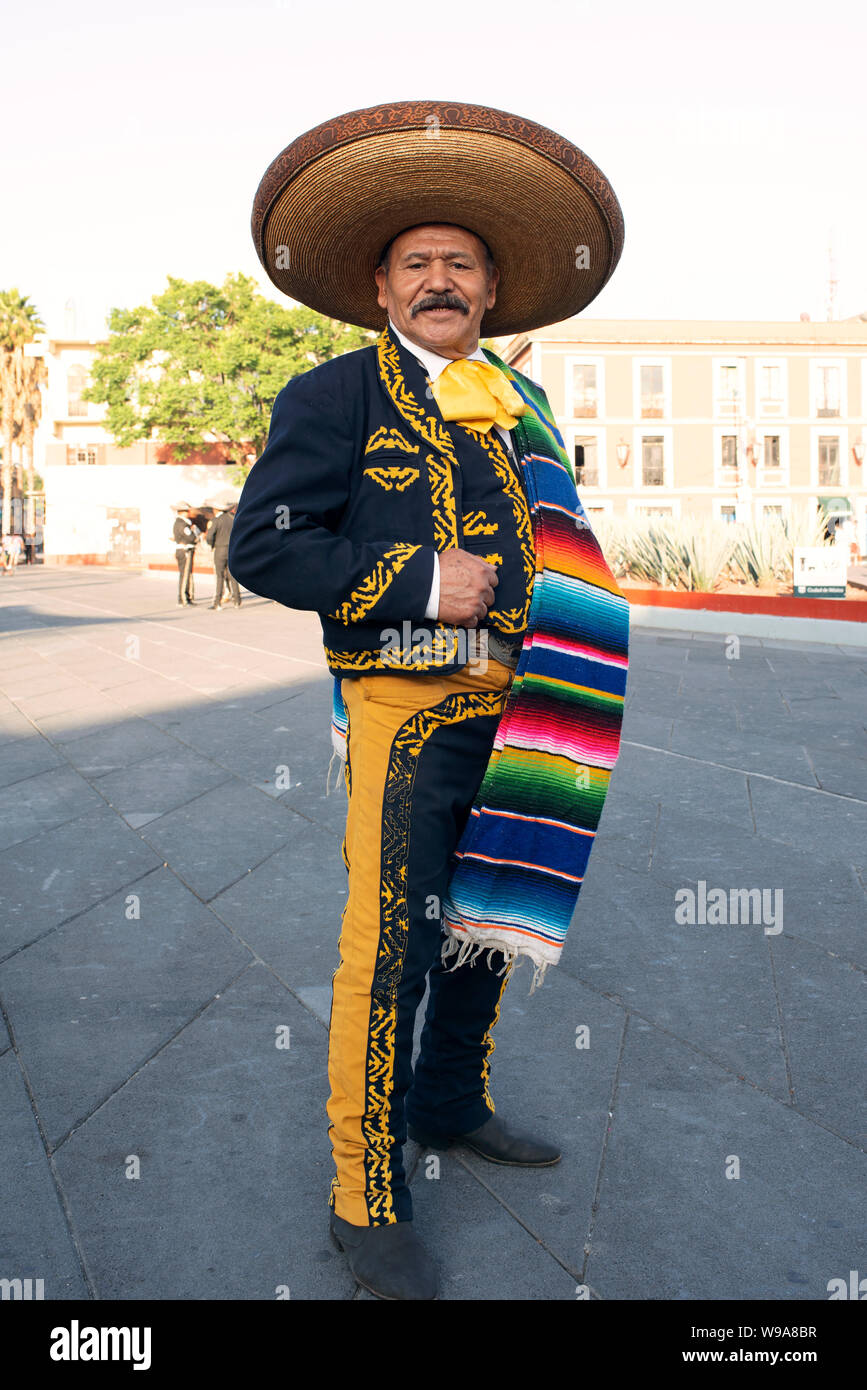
point(416, 494)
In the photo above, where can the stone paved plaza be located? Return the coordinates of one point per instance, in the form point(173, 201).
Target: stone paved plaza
point(171, 904)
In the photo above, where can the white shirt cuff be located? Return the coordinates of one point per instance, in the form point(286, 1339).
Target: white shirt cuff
point(433, 603)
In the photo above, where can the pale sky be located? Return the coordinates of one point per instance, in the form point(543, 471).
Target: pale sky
point(735, 136)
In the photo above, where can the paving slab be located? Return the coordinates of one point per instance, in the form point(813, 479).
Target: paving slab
point(458, 1219)
point(288, 910)
point(746, 749)
point(235, 1166)
point(672, 1225)
point(93, 1000)
point(14, 676)
point(42, 802)
point(18, 656)
point(22, 758)
point(14, 725)
point(35, 1241)
point(64, 871)
point(627, 829)
point(117, 745)
point(652, 729)
point(824, 1008)
point(220, 836)
point(79, 722)
point(826, 907)
point(830, 826)
point(159, 784)
point(57, 698)
point(844, 773)
point(687, 783)
point(713, 985)
point(543, 1084)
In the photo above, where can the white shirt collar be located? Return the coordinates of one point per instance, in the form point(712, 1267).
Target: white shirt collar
point(431, 361)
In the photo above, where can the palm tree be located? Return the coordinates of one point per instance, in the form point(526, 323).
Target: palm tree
point(19, 324)
point(35, 374)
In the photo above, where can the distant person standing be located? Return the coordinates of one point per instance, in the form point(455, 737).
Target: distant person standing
point(12, 548)
point(185, 536)
point(217, 538)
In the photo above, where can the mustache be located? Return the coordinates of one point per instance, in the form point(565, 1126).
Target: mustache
point(440, 301)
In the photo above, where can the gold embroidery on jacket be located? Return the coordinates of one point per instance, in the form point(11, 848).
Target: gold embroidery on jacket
point(443, 499)
point(390, 439)
point(373, 585)
point(477, 524)
point(433, 433)
point(441, 650)
point(440, 464)
point(493, 560)
point(512, 619)
point(392, 477)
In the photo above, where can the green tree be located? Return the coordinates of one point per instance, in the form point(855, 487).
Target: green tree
point(19, 324)
point(203, 363)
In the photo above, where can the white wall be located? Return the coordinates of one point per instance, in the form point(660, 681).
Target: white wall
point(77, 497)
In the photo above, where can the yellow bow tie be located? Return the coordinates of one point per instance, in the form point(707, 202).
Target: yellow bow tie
point(477, 395)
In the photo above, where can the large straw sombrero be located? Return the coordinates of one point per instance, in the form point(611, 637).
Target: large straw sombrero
point(329, 204)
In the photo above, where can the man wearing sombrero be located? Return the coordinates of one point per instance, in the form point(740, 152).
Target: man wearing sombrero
point(417, 495)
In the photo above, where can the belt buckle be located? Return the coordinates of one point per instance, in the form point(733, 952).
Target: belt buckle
point(508, 653)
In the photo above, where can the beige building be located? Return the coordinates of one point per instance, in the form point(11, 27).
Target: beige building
point(709, 419)
point(104, 504)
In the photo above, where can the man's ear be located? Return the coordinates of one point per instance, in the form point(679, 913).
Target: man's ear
point(382, 297)
point(492, 288)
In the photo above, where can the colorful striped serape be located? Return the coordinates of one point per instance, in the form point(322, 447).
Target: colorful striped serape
point(521, 861)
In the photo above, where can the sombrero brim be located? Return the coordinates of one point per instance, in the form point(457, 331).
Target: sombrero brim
point(328, 205)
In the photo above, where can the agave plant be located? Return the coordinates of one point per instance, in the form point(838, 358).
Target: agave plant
point(676, 554)
point(701, 552)
point(764, 551)
point(698, 555)
point(758, 551)
point(609, 532)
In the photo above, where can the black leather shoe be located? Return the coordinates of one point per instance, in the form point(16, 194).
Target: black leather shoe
point(390, 1261)
point(494, 1141)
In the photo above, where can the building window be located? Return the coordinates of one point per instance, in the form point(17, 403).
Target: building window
point(828, 391)
point(586, 461)
point(81, 455)
point(728, 512)
point(772, 511)
point(829, 461)
point(652, 392)
point(770, 385)
point(585, 396)
point(652, 462)
point(654, 511)
point(772, 451)
point(730, 394)
point(729, 451)
point(76, 381)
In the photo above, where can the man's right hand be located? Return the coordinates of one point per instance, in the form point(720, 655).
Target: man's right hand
point(467, 584)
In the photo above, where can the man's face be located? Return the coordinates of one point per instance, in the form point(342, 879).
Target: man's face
point(437, 288)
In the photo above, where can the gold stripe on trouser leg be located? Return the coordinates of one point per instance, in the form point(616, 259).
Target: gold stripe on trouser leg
point(373, 724)
point(488, 1044)
point(359, 1025)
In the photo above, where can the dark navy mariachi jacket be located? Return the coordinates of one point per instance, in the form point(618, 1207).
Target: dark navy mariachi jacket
point(360, 483)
